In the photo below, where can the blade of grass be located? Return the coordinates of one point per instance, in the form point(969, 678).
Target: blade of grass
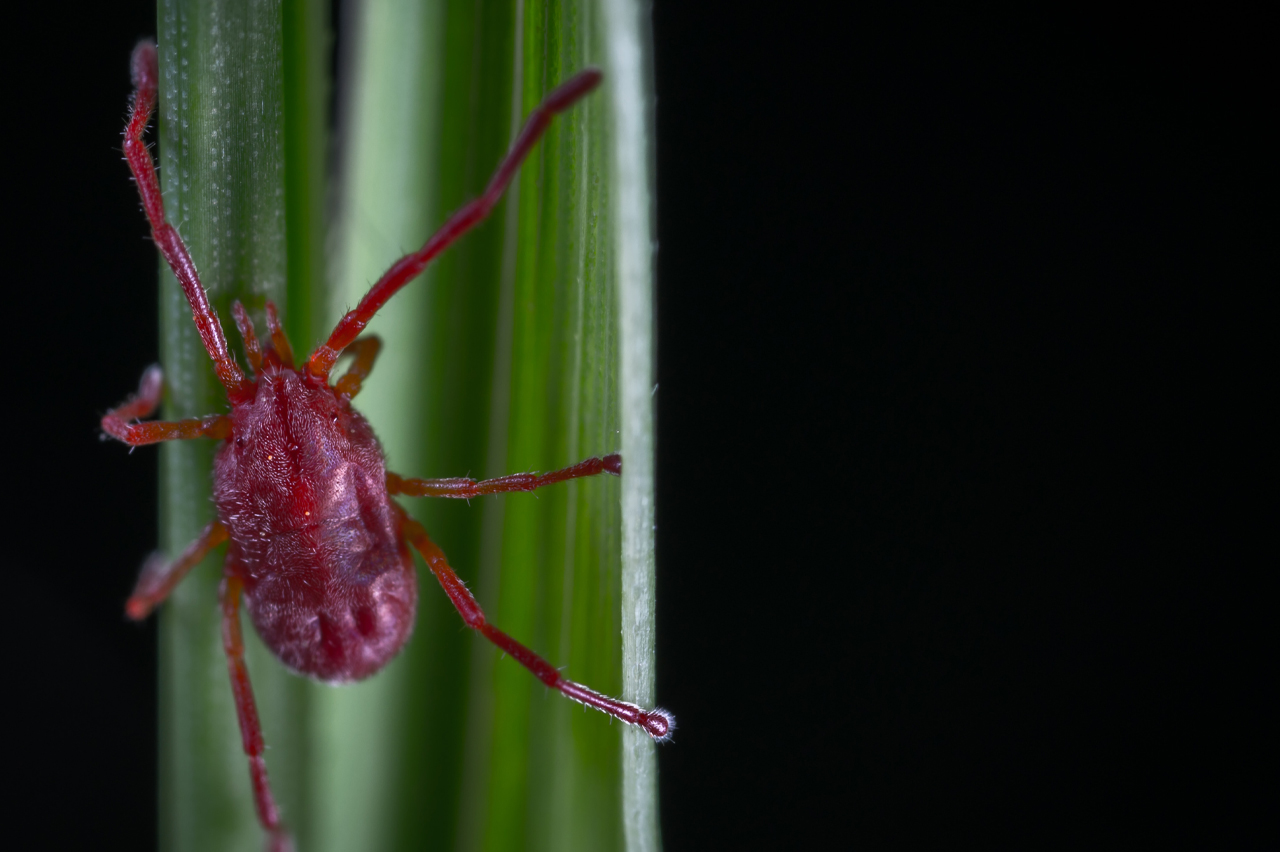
point(221, 131)
point(551, 770)
point(629, 42)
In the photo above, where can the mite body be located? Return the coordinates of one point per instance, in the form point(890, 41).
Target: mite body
point(317, 550)
point(314, 536)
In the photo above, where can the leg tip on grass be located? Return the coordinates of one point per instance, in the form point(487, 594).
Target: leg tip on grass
point(660, 724)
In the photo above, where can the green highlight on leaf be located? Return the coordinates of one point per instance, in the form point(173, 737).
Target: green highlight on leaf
point(527, 346)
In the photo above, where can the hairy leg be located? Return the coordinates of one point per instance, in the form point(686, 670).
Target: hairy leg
point(658, 723)
point(145, 76)
point(279, 341)
point(247, 713)
point(252, 349)
point(365, 350)
point(471, 214)
point(117, 422)
point(463, 488)
point(159, 577)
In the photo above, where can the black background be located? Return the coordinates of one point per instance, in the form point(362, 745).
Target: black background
point(955, 314)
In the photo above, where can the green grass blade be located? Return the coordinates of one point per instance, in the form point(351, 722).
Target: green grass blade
point(631, 158)
point(221, 131)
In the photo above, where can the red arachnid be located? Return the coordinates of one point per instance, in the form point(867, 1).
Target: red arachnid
point(316, 548)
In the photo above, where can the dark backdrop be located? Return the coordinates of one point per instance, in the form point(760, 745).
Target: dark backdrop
point(955, 313)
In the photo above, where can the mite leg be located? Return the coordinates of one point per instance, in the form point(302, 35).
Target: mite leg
point(145, 77)
point(159, 578)
point(471, 214)
point(252, 349)
point(247, 713)
point(463, 488)
point(116, 422)
point(365, 351)
point(658, 723)
point(279, 341)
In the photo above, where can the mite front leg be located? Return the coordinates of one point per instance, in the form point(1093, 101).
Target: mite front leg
point(159, 578)
point(279, 340)
point(145, 79)
point(467, 217)
point(365, 351)
point(247, 713)
point(252, 349)
point(658, 723)
point(116, 422)
point(464, 489)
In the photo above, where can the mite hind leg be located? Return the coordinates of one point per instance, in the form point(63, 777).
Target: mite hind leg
point(247, 715)
point(159, 577)
point(658, 723)
point(463, 488)
point(118, 421)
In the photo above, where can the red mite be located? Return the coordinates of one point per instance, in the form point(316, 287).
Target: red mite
point(316, 547)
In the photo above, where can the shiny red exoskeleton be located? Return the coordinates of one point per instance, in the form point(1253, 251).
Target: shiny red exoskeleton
point(317, 549)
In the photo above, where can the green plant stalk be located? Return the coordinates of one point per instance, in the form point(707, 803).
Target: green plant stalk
point(504, 357)
point(221, 131)
point(632, 153)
